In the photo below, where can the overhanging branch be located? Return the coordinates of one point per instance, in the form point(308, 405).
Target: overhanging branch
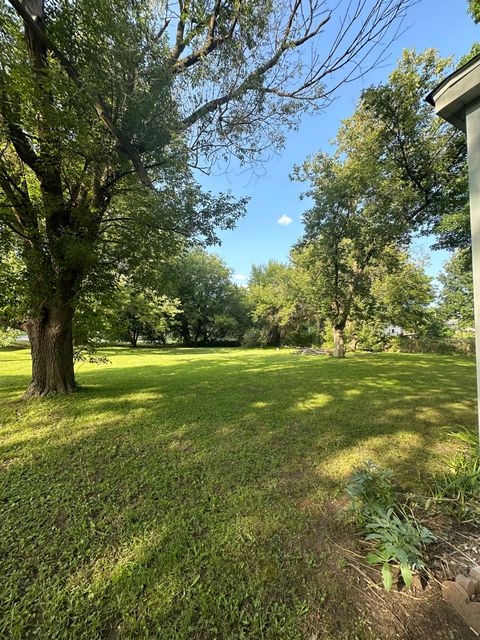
point(99, 103)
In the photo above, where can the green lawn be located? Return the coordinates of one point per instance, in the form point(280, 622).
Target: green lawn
point(180, 494)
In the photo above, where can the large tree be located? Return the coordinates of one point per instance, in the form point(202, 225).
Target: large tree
point(395, 172)
point(104, 107)
point(456, 295)
point(282, 305)
point(402, 294)
point(141, 314)
point(212, 308)
point(453, 228)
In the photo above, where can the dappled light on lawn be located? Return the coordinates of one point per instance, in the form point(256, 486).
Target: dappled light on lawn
point(174, 496)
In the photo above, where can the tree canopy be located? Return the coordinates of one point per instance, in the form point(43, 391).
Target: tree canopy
point(456, 296)
point(474, 9)
point(105, 108)
point(211, 308)
point(397, 171)
point(283, 308)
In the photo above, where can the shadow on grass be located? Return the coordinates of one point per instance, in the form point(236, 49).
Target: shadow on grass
point(165, 500)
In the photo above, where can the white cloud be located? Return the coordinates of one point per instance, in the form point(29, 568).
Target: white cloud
point(285, 220)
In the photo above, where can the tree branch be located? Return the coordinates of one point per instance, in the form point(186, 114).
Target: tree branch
point(20, 204)
point(99, 103)
point(211, 42)
point(251, 81)
point(18, 137)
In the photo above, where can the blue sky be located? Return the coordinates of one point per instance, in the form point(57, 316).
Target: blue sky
point(442, 24)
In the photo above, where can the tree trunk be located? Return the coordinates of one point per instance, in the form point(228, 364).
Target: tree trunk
point(185, 333)
point(196, 337)
point(338, 343)
point(275, 337)
point(133, 339)
point(51, 343)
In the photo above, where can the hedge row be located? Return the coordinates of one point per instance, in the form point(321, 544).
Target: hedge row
point(451, 345)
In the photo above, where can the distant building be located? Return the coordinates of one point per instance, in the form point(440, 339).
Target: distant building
point(453, 323)
point(393, 330)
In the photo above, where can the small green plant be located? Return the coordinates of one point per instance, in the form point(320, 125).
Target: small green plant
point(457, 491)
point(398, 538)
point(399, 541)
point(369, 488)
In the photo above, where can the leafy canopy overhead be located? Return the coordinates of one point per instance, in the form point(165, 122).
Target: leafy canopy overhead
point(105, 108)
point(474, 9)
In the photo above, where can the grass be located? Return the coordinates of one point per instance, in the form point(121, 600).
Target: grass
point(176, 496)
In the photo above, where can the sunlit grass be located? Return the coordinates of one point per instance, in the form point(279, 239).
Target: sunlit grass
point(165, 499)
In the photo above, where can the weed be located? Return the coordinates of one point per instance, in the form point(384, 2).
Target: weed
point(399, 541)
point(370, 488)
point(387, 522)
point(457, 491)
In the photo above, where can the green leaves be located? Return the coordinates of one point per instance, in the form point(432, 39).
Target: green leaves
point(284, 304)
point(370, 487)
point(8, 336)
point(457, 490)
point(407, 575)
point(398, 541)
point(387, 576)
point(388, 523)
point(456, 295)
point(474, 9)
point(212, 308)
point(402, 293)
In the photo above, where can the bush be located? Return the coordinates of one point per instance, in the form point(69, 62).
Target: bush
point(426, 344)
point(253, 338)
point(457, 491)
point(387, 522)
point(303, 336)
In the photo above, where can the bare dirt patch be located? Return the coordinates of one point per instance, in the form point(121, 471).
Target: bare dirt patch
point(400, 614)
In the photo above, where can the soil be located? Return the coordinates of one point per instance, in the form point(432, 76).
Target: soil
point(418, 613)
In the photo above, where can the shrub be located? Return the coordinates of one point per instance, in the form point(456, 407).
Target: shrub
point(253, 338)
point(302, 336)
point(457, 491)
point(400, 540)
point(369, 336)
point(425, 344)
point(387, 522)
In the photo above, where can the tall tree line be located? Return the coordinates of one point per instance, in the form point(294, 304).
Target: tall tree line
point(106, 107)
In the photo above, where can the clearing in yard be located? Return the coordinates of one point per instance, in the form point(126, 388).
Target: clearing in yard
point(193, 494)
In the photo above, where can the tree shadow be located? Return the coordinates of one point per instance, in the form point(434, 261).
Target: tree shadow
point(121, 505)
